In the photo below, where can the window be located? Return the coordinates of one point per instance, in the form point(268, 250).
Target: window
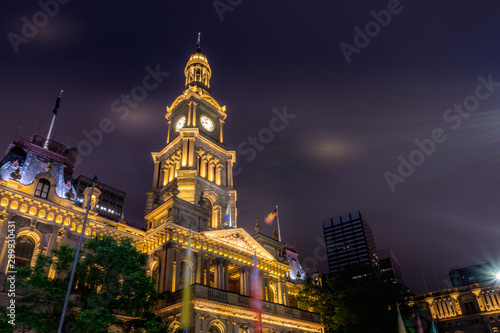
point(24, 251)
point(215, 329)
point(207, 204)
point(42, 188)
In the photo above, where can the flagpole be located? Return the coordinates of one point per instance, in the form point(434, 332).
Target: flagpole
point(278, 221)
point(46, 144)
point(75, 262)
point(230, 211)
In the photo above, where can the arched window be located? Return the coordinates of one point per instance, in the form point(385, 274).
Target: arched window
point(198, 75)
point(155, 275)
point(215, 329)
point(271, 293)
point(207, 204)
point(42, 189)
point(24, 251)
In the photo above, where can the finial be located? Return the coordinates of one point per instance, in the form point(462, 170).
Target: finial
point(199, 40)
point(275, 233)
point(257, 225)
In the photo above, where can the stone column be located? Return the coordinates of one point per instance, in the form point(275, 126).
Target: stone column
point(207, 270)
point(203, 169)
point(247, 281)
point(242, 280)
point(230, 172)
point(198, 323)
point(479, 298)
point(279, 291)
point(191, 153)
point(156, 173)
point(263, 290)
point(226, 274)
point(217, 174)
point(171, 171)
point(204, 324)
point(52, 240)
point(162, 270)
point(210, 175)
point(169, 268)
point(216, 273)
point(430, 301)
point(199, 268)
point(177, 275)
point(221, 131)
point(184, 152)
point(232, 326)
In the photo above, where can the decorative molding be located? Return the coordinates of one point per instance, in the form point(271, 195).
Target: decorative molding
point(241, 240)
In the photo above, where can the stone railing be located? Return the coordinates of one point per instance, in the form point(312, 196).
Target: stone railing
point(231, 298)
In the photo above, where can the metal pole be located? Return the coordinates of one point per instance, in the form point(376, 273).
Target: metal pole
point(46, 144)
point(76, 258)
point(230, 208)
point(58, 100)
point(278, 220)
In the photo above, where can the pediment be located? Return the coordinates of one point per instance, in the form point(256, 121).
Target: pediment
point(240, 240)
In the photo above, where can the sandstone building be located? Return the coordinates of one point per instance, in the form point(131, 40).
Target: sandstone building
point(192, 189)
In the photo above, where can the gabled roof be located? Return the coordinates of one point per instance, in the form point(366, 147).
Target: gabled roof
point(240, 240)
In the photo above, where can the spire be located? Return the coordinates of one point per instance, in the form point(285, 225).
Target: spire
point(198, 70)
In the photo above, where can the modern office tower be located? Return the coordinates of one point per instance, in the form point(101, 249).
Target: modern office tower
point(111, 200)
point(389, 266)
point(349, 241)
point(472, 274)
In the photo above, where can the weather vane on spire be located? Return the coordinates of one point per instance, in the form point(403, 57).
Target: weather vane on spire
point(199, 40)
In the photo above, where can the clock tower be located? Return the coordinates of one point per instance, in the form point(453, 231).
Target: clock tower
point(193, 180)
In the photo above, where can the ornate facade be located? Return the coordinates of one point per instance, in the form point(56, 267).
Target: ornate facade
point(192, 192)
point(470, 309)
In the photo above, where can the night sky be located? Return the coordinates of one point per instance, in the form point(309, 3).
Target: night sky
point(354, 121)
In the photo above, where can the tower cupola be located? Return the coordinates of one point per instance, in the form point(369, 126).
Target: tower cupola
point(198, 70)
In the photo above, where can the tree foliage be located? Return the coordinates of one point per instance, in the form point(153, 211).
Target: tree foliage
point(110, 284)
point(365, 303)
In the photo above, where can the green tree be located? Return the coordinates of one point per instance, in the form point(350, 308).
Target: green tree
point(110, 281)
point(42, 298)
point(358, 299)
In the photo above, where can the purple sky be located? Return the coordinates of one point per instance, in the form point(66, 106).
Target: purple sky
point(352, 121)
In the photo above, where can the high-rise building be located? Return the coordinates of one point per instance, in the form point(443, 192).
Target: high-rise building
point(472, 274)
point(192, 197)
point(389, 266)
point(111, 200)
point(349, 241)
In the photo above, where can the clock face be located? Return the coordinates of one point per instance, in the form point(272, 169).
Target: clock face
point(207, 123)
point(180, 123)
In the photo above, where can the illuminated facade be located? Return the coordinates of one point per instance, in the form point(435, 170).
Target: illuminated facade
point(470, 309)
point(192, 191)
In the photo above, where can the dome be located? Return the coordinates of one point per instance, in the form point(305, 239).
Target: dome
point(198, 70)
